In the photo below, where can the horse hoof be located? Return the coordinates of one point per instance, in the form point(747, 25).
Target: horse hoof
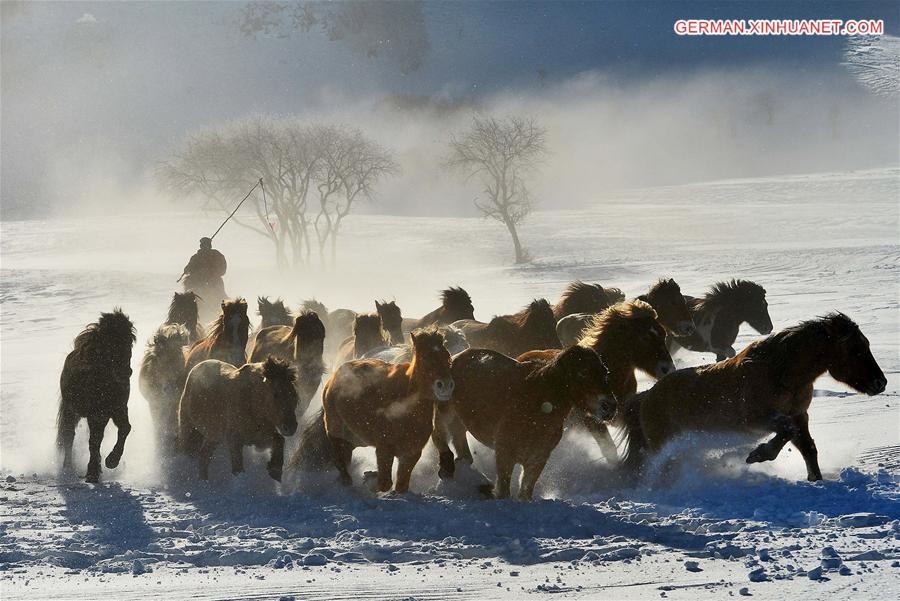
point(486, 491)
point(274, 474)
point(112, 461)
point(92, 478)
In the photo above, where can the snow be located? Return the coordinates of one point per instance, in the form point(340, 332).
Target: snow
point(712, 527)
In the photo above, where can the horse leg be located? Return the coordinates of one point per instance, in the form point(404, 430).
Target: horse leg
point(96, 426)
point(205, 457)
point(236, 453)
point(123, 427)
point(405, 465)
point(342, 454)
point(807, 447)
point(439, 436)
point(66, 435)
point(531, 471)
point(784, 429)
point(276, 461)
point(505, 465)
point(602, 437)
point(385, 460)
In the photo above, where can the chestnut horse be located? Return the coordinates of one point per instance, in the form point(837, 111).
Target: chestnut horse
point(767, 387)
point(719, 314)
point(95, 384)
point(519, 408)
point(532, 328)
point(368, 334)
point(183, 311)
point(579, 297)
point(301, 344)
point(456, 304)
point(368, 402)
point(227, 338)
point(273, 313)
point(250, 405)
point(161, 380)
point(626, 336)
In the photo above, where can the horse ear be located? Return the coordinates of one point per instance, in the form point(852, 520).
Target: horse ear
point(223, 305)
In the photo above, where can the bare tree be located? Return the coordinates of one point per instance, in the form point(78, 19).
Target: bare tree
point(498, 152)
point(295, 160)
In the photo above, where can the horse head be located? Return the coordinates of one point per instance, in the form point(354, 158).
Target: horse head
point(666, 299)
point(431, 363)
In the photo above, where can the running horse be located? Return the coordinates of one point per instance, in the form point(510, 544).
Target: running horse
point(95, 384)
point(183, 311)
point(766, 388)
point(719, 314)
point(532, 328)
point(227, 338)
point(456, 304)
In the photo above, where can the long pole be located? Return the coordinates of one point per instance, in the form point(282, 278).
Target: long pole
point(256, 185)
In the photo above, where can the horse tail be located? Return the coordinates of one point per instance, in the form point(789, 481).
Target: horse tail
point(632, 434)
point(314, 452)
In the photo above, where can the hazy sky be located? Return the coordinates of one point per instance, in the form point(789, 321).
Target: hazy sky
point(92, 95)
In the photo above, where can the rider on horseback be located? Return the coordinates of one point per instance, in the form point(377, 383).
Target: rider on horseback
point(203, 273)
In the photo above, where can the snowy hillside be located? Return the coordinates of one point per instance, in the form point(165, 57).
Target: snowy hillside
point(816, 243)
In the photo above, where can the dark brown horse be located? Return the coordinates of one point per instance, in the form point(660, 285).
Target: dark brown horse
point(273, 313)
point(666, 299)
point(579, 297)
point(183, 311)
point(719, 314)
point(95, 384)
point(391, 320)
point(456, 304)
point(368, 334)
point(227, 338)
point(518, 409)
point(161, 380)
point(240, 406)
point(301, 344)
point(767, 387)
point(626, 336)
point(532, 328)
point(368, 402)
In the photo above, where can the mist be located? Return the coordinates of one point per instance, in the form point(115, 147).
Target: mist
point(96, 95)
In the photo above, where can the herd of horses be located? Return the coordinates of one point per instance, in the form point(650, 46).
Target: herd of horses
point(514, 383)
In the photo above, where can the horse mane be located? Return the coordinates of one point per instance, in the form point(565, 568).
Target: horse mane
point(306, 326)
point(661, 286)
point(538, 309)
point(314, 306)
point(278, 311)
point(168, 333)
point(455, 296)
point(581, 297)
point(616, 318)
point(217, 327)
point(774, 349)
point(279, 370)
point(111, 326)
point(183, 301)
point(614, 295)
point(729, 292)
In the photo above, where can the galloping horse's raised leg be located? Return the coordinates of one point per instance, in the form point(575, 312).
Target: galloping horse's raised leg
point(205, 456)
point(276, 461)
point(96, 426)
point(123, 427)
point(67, 423)
point(236, 454)
point(785, 430)
point(405, 465)
point(531, 471)
point(602, 437)
point(385, 460)
point(807, 447)
point(342, 453)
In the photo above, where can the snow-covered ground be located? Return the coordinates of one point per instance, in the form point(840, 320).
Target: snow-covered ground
point(816, 242)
